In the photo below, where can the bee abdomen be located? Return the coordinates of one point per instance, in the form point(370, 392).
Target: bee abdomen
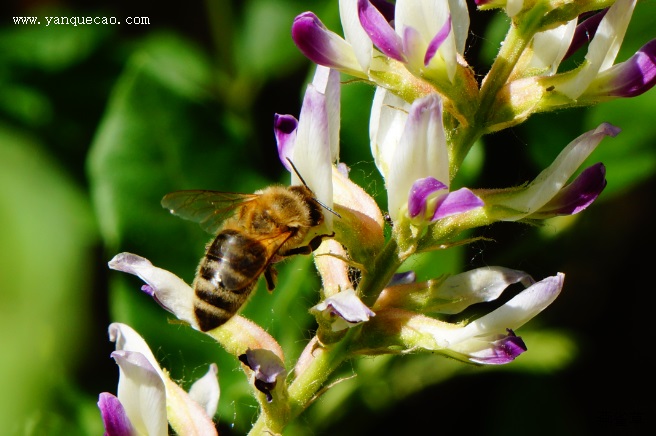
point(215, 305)
point(226, 276)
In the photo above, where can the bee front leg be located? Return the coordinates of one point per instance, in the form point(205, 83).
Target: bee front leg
point(271, 276)
point(316, 241)
point(310, 247)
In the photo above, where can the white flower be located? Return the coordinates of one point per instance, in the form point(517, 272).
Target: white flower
point(312, 142)
point(410, 149)
point(550, 182)
point(148, 400)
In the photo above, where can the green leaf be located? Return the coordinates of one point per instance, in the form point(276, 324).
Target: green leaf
point(47, 236)
point(176, 64)
point(155, 137)
point(264, 46)
point(25, 103)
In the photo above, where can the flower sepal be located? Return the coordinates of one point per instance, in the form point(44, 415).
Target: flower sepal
point(511, 6)
point(396, 331)
point(447, 232)
point(392, 75)
point(360, 223)
point(517, 100)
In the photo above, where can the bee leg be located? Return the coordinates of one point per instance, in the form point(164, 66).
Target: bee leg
point(316, 241)
point(271, 275)
point(310, 247)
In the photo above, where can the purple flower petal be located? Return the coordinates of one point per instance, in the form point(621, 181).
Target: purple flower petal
point(577, 195)
point(310, 36)
point(503, 350)
point(602, 50)
point(413, 44)
point(284, 128)
point(320, 45)
point(420, 192)
point(386, 9)
point(437, 41)
point(634, 76)
point(462, 200)
point(584, 32)
point(379, 30)
point(148, 290)
point(266, 367)
point(485, 340)
point(114, 418)
point(403, 278)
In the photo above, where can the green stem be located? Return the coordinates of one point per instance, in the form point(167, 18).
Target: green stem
point(259, 428)
point(519, 35)
point(325, 360)
point(386, 264)
point(304, 388)
point(516, 41)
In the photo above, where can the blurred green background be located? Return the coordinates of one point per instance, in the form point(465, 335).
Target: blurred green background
point(98, 122)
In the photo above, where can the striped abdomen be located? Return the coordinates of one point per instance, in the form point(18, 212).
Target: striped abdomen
point(226, 276)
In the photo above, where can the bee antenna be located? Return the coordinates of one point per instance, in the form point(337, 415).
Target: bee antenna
point(297, 173)
point(305, 184)
point(327, 208)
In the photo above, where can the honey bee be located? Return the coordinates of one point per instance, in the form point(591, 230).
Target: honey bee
point(253, 232)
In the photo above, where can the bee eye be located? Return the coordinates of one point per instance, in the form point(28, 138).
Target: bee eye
point(316, 213)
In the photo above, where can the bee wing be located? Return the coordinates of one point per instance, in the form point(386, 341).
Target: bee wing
point(207, 208)
point(272, 243)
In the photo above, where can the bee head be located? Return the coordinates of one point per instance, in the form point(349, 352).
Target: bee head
point(308, 188)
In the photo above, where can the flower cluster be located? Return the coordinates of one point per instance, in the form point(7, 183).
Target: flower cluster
point(427, 112)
